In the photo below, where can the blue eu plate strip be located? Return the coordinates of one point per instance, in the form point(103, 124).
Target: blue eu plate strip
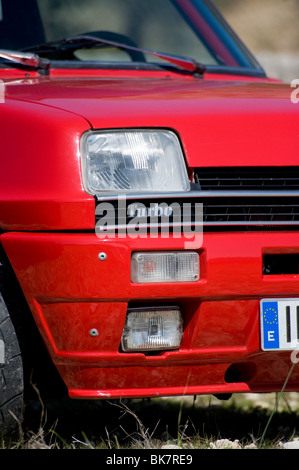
point(270, 325)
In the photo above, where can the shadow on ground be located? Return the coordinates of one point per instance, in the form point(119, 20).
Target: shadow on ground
point(144, 423)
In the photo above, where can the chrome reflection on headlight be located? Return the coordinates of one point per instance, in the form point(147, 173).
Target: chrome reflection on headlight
point(133, 161)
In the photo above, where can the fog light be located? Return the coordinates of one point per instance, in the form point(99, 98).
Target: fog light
point(152, 329)
point(165, 267)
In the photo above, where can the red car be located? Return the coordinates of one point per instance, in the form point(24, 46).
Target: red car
point(149, 204)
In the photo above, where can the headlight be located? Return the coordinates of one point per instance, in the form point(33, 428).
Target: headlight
point(133, 161)
point(152, 329)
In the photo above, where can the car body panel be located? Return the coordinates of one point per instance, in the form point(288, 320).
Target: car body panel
point(38, 191)
point(225, 117)
point(222, 118)
point(221, 312)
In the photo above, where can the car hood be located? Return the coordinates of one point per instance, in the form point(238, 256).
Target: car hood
point(219, 122)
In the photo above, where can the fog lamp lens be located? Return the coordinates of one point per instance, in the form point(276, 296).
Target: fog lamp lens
point(152, 329)
point(164, 267)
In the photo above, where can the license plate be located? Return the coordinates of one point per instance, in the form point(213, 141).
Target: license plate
point(279, 324)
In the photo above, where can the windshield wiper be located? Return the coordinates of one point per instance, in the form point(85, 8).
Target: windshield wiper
point(25, 59)
point(75, 42)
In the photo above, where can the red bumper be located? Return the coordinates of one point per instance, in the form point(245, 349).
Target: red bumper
point(70, 292)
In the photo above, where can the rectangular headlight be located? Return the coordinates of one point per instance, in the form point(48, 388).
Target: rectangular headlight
point(133, 161)
point(152, 329)
point(152, 267)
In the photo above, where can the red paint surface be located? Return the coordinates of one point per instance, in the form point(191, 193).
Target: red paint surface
point(46, 217)
point(71, 292)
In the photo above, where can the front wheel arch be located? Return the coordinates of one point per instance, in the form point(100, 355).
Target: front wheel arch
point(28, 366)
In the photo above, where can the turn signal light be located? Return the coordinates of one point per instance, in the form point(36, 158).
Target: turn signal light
point(153, 267)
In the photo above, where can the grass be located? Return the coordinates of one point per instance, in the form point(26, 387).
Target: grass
point(279, 395)
point(261, 420)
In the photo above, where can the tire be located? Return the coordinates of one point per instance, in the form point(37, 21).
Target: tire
point(11, 372)
point(27, 360)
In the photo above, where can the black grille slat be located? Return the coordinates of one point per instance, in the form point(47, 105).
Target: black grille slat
point(247, 178)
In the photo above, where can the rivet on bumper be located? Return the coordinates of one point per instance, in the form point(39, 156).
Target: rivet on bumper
point(93, 332)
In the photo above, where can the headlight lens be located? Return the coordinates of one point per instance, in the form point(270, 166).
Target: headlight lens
point(133, 161)
point(152, 329)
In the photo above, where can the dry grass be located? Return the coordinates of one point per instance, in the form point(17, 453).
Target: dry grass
point(183, 422)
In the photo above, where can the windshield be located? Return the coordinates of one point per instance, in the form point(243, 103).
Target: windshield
point(189, 28)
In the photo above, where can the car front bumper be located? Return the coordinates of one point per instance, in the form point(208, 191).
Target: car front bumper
point(71, 292)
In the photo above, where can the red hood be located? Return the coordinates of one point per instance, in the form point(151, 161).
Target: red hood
point(222, 123)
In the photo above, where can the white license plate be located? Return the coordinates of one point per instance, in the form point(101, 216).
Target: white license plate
point(279, 324)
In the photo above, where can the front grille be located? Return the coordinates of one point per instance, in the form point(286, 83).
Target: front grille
point(232, 199)
point(247, 178)
point(253, 210)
